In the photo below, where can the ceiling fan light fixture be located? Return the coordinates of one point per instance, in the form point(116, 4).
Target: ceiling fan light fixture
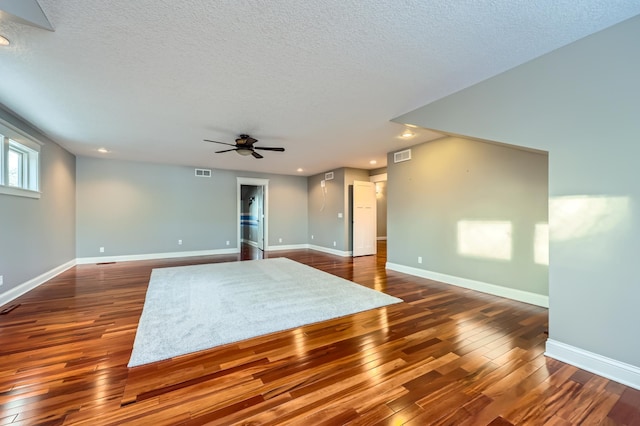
point(4, 41)
point(243, 151)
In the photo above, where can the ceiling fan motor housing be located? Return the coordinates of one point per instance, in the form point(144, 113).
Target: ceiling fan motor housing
point(243, 140)
point(244, 146)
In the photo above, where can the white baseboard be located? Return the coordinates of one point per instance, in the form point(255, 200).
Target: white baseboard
point(34, 282)
point(41, 279)
point(250, 242)
point(331, 251)
point(627, 374)
point(288, 247)
point(496, 290)
point(153, 256)
point(381, 238)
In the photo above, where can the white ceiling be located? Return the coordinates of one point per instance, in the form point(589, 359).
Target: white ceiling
point(149, 79)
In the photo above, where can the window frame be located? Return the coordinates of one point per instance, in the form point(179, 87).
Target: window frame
point(13, 139)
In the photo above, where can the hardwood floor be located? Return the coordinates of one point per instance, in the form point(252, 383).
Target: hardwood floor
point(446, 356)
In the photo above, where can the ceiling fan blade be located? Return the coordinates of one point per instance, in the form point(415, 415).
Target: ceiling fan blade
point(251, 141)
point(223, 143)
point(255, 154)
point(269, 148)
point(226, 150)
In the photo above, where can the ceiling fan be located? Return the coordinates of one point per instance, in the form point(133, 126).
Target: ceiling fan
point(244, 146)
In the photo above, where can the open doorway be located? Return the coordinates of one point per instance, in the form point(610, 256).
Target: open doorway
point(252, 212)
point(251, 215)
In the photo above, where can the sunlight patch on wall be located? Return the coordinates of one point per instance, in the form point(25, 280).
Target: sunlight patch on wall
point(583, 215)
point(541, 244)
point(485, 239)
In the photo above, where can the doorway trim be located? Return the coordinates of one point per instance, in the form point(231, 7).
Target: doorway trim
point(264, 183)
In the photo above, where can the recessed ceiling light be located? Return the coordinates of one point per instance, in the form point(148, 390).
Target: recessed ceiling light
point(407, 134)
point(411, 125)
point(103, 150)
point(300, 169)
point(4, 41)
point(373, 162)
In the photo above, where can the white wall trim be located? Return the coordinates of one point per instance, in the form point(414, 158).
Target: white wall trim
point(153, 256)
point(19, 192)
point(378, 178)
point(23, 288)
point(250, 242)
point(289, 247)
point(496, 290)
point(627, 374)
point(331, 251)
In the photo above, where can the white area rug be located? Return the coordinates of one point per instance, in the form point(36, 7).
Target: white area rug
point(198, 307)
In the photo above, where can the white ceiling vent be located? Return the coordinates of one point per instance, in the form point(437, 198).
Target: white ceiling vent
point(328, 176)
point(203, 172)
point(401, 156)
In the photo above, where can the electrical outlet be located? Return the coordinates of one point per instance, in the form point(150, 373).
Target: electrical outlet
point(227, 242)
point(339, 215)
point(334, 243)
point(419, 259)
point(1, 279)
point(179, 242)
point(279, 240)
point(101, 249)
point(312, 237)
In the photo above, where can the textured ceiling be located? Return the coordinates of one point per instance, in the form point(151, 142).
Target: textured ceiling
point(149, 79)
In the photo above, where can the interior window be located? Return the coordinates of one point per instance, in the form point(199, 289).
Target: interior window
point(19, 164)
point(14, 168)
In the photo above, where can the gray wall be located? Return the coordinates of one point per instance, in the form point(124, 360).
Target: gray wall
point(38, 235)
point(287, 208)
point(453, 182)
point(142, 208)
point(381, 209)
point(381, 203)
point(351, 175)
point(580, 103)
point(324, 224)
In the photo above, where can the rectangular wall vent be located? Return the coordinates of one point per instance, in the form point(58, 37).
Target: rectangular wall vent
point(401, 156)
point(203, 172)
point(328, 176)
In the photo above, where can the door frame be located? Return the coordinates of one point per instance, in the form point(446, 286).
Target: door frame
point(264, 183)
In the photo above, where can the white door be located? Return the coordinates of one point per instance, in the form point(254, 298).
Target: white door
point(364, 218)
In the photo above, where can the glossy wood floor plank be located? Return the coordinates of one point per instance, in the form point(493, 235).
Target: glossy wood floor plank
point(445, 356)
